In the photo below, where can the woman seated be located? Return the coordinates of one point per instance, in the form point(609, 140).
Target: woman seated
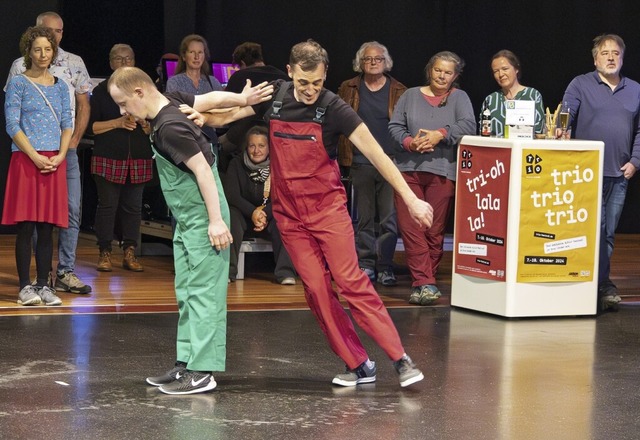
point(505, 66)
point(246, 186)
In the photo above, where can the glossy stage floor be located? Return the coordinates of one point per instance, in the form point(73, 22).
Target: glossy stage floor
point(77, 371)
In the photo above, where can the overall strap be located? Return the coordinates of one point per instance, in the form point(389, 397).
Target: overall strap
point(277, 101)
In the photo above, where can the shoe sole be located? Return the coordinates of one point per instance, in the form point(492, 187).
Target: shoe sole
point(210, 386)
point(72, 290)
point(104, 269)
point(32, 302)
point(344, 383)
point(132, 270)
point(155, 384)
point(412, 380)
point(424, 301)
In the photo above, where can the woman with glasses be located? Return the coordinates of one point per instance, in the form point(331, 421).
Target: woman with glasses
point(121, 164)
point(427, 124)
point(373, 94)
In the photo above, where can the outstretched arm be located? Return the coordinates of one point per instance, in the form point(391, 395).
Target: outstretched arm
point(224, 100)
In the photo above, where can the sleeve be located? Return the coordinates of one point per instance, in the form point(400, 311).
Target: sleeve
point(399, 124)
point(635, 149)
point(172, 85)
point(217, 87)
point(12, 106)
point(573, 98)
point(83, 81)
point(66, 119)
point(345, 117)
point(96, 114)
point(232, 184)
point(540, 117)
point(178, 140)
point(16, 69)
point(178, 98)
point(465, 123)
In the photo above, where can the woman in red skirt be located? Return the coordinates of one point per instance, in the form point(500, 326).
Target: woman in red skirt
point(39, 121)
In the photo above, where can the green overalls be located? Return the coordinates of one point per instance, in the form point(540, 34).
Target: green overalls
point(202, 272)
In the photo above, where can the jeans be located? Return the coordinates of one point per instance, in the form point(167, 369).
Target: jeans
point(68, 238)
point(374, 195)
point(614, 190)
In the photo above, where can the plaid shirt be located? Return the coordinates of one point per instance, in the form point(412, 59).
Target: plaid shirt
point(116, 171)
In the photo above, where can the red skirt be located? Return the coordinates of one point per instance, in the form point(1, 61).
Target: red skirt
point(33, 196)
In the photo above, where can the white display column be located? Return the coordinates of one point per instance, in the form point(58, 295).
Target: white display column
point(527, 226)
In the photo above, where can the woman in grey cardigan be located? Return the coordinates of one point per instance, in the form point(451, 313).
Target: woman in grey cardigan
point(427, 124)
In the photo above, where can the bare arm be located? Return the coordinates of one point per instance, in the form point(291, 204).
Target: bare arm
point(82, 118)
point(65, 138)
point(219, 235)
point(217, 118)
point(224, 100)
point(420, 210)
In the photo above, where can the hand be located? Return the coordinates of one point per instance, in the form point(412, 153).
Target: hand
point(193, 115)
point(43, 163)
point(219, 235)
point(127, 122)
point(57, 160)
point(255, 95)
point(628, 170)
point(259, 219)
point(146, 127)
point(421, 211)
point(428, 139)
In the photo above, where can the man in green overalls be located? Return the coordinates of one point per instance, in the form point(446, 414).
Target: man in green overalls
point(193, 192)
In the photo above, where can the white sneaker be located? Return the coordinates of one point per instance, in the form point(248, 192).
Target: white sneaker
point(49, 297)
point(28, 296)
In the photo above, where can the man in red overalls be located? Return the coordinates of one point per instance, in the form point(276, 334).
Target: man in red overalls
point(309, 205)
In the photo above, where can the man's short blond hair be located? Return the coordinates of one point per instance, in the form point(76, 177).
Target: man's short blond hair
point(128, 79)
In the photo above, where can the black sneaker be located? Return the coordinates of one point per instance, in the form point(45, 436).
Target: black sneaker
point(361, 374)
point(191, 382)
point(407, 371)
point(174, 374)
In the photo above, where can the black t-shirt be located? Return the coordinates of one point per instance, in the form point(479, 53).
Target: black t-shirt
point(339, 118)
point(257, 75)
point(176, 137)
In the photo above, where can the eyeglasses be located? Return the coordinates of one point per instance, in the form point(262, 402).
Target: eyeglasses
point(122, 59)
point(369, 60)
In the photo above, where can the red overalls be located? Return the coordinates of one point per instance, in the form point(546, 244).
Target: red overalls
point(309, 205)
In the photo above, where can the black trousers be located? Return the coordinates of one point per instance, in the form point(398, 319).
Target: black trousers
point(121, 202)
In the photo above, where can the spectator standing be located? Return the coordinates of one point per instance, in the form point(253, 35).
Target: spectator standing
point(373, 94)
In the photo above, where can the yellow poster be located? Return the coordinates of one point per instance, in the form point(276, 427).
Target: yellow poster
point(558, 216)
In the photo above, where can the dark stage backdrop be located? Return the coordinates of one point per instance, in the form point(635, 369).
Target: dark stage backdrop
point(553, 39)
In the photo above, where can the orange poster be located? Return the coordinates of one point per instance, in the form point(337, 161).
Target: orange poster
point(482, 194)
point(558, 215)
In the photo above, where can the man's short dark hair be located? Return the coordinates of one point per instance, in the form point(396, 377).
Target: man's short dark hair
point(248, 53)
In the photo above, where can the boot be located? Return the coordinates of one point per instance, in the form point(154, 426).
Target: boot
point(130, 261)
point(104, 262)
